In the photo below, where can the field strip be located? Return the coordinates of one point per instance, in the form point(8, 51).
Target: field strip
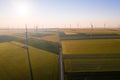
point(93, 56)
point(89, 37)
point(48, 38)
point(91, 65)
point(14, 64)
point(99, 46)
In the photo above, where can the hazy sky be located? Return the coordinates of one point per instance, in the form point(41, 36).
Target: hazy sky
point(59, 12)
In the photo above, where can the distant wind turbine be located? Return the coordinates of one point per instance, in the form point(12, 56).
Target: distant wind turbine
point(104, 26)
point(70, 26)
point(78, 26)
point(91, 26)
point(36, 28)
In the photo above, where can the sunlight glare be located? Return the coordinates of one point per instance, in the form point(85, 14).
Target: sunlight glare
point(22, 10)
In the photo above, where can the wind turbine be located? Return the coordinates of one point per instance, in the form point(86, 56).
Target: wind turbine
point(36, 28)
point(78, 26)
point(28, 55)
point(118, 26)
point(91, 30)
point(70, 26)
point(104, 26)
point(91, 26)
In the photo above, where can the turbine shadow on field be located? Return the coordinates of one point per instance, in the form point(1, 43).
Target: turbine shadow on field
point(37, 43)
point(5, 38)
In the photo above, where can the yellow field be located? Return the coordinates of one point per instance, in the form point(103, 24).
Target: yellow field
point(79, 55)
point(94, 46)
point(91, 55)
point(14, 63)
point(53, 38)
point(92, 65)
point(89, 31)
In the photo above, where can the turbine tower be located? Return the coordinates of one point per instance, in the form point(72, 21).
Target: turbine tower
point(78, 26)
point(36, 28)
point(104, 26)
point(28, 55)
point(70, 26)
point(91, 26)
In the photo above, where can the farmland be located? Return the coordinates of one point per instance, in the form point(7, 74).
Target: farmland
point(84, 51)
point(89, 31)
point(14, 61)
point(91, 53)
point(99, 46)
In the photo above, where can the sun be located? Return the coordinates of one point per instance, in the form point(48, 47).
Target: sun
point(22, 10)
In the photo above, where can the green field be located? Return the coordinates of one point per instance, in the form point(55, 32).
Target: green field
point(94, 55)
point(79, 55)
point(13, 57)
point(94, 46)
point(89, 31)
point(92, 65)
point(14, 63)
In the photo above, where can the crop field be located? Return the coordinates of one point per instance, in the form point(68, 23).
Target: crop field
point(91, 53)
point(99, 46)
point(85, 34)
point(50, 38)
point(77, 53)
point(89, 31)
point(92, 64)
point(13, 57)
point(83, 51)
